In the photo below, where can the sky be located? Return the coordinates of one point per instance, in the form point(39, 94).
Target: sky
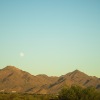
point(50, 37)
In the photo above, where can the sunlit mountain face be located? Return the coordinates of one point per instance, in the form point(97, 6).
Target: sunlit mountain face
point(14, 79)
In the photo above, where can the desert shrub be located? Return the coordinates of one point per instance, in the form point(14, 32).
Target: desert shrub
point(16, 96)
point(90, 93)
point(67, 93)
point(79, 93)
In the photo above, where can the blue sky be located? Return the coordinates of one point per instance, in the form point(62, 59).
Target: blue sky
point(55, 36)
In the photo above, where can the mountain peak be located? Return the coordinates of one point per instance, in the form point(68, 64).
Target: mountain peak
point(76, 73)
point(11, 68)
point(12, 78)
point(76, 70)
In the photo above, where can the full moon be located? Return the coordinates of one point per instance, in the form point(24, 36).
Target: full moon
point(21, 54)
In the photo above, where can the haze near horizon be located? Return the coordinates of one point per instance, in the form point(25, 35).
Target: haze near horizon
point(50, 37)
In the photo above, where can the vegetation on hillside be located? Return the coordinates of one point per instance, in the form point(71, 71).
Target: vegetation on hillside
point(79, 93)
point(19, 96)
point(67, 93)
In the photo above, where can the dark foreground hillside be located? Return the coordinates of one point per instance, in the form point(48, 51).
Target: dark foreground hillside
point(67, 93)
point(17, 96)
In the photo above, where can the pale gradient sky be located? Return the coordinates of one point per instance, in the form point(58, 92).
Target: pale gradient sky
point(54, 36)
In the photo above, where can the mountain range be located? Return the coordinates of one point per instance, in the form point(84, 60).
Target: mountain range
point(13, 79)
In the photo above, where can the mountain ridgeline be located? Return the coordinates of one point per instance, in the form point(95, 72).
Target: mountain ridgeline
point(13, 79)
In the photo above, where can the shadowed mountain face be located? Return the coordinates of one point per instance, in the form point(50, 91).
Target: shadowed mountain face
point(14, 79)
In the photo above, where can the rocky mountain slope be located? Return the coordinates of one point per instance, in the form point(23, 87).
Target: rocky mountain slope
point(13, 79)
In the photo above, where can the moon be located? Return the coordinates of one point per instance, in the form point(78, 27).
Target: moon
point(22, 54)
